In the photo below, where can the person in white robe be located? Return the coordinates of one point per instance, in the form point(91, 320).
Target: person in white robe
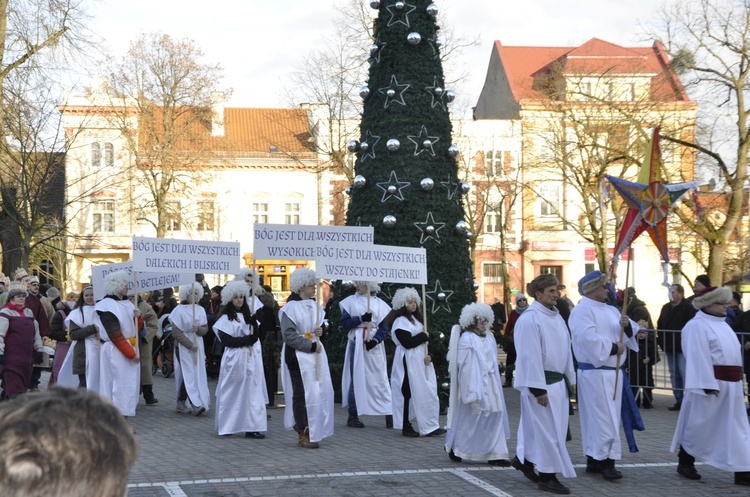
point(713, 425)
point(241, 390)
point(85, 328)
point(596, 330)
point(189, 326)
point(120, 370)
point(413, 380)
point(478, 426)
point(306, 379)
point(546, 379)
point(364, 383)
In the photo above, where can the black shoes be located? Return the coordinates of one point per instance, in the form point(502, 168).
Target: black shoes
point(742, 478)
point(610, 473)
point(436, 433)
point(554, 486)
point(354, 422)
point(255, 434)
point(676, 407)
point(526, 468)
point(453, 457)
point(408, 431)
point(593, 465)
point(688, 471)
point(503, 463)
point(388, 421)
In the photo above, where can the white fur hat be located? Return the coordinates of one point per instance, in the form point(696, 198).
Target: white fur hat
point(116, 282)
point(405, 295)
point(374, 286)
point(195, 288)
point(712, 295)
point(301, 278)
point(471, 314)
point(231, 290)
point(245, 272)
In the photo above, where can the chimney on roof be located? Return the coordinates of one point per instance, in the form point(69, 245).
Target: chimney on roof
point(217, 113)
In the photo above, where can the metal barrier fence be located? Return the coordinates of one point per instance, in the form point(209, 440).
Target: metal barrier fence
point(663, 342)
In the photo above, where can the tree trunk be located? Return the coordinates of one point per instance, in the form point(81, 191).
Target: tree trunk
point(10, 233)
point(716, 257)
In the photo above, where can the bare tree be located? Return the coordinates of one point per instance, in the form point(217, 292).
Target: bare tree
point(36, 37)
point(162, 94)
point(709, 42)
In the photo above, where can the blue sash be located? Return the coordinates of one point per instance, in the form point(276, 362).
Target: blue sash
point(631, 417)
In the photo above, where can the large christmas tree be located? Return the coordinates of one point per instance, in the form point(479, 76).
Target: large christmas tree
point(406, 183)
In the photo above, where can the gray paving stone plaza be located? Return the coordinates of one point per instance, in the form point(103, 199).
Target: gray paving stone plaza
point(182, 456)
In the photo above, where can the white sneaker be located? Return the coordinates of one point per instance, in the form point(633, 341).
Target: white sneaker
point(184, 407)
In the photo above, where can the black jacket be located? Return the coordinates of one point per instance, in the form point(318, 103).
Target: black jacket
point(674, 318)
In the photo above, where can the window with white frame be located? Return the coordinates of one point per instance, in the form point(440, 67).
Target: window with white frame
point(493, 162)
point(109, 155)
point(492, 272)
point(291, 213)
point(205, 215)
point(105, 150)
point(547, 146)
point(173, 215)
point(260, 212)
point(549, 199)
point(493, 220)
point(103, 216)
point(96, 155)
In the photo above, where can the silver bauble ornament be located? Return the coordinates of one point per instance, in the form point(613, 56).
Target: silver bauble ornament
point(399, 5)
point(427, 184)
point(475, 285)
point(432, 10)
point(439, 41)
point(352, 145)
point(427, 143)
point(437, 91)
point(364, 91)
point(374, 49)
point(392, 189)
point(364, 146)
point(375, 4)
point(450, 95)
point(464, 186)
point(348, 190)
point(462, 227)
point(359, 181)
point(393, 144)
point(391, 92)
point(441, 296)
point(414, 38)
point(389, 221)
point(430, 230)
point(453, 151)
point(468, 234)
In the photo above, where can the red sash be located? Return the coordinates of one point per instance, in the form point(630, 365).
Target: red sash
point(728, 373)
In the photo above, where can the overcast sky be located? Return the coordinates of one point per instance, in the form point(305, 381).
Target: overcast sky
point(259, 41)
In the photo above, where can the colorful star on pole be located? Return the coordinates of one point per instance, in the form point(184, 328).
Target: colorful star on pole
point(648, 200)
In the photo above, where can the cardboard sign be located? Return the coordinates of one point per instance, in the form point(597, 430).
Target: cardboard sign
point(299, 241)
point(185, 256)
point(374, 263)
point(146, 281)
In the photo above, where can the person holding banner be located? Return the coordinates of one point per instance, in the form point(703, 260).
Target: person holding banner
point(85, 328)
point(306, 380)
point(189, 326)
point(596, 330)
point(364, 383)
point(413, 380)
point(546, 379)
point(241, 390)
point(120, 373)
point(478, 426)
point(147, 326)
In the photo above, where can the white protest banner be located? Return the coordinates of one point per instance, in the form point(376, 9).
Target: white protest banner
point(146, 281)
point(298, 241)
point(185, 256)
point(374, 263)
